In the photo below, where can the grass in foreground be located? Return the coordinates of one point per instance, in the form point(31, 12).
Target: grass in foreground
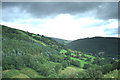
point(113, 74)
point(31, 73)
point(24, 73)
point(69, 72)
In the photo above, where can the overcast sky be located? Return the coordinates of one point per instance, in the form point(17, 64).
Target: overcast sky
point(65, 20)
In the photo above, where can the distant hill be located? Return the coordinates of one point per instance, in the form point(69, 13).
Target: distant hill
point(62, 41)
point(96, 45)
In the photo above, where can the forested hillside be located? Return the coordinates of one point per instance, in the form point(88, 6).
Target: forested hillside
point(97, 45)
point(29, 55)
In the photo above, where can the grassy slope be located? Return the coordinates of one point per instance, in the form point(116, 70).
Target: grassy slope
point(20, 76)
point(31, 38)
point(24, 73)
point(0, 72)
point(69, 72)
point(113, 74)
point(13, 73)
point(82, 60)
point(31, 73)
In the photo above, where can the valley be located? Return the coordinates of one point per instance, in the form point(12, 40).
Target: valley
point(29, 55)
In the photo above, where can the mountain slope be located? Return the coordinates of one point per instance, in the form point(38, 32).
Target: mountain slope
point(62, 41)
point(20, 45)
point(95, 45)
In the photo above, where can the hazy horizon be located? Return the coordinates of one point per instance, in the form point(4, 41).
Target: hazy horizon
point(64, 20)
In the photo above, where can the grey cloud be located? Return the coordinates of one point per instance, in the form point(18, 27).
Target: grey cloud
point(101, 10)
point(13, 14)
point(108, 11)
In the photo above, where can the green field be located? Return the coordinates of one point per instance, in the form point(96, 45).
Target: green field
point(82, 62)
point(73, 54)
point(63, 51)
point(89, 56)
point(82, 59)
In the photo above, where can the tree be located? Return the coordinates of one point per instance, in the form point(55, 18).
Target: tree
point(58, 67)
point(99, 74)
point(86, 66)
point(41, 59)
point(8, 63)
point(116, 65)
point(106, 68)
point(26, 59)
point(19, 64)
point(64, 64)
point(93, 73)
point(82, 74)
point(43, 70)
point(75, 63)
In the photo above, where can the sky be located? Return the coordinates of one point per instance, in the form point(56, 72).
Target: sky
point(65, 20)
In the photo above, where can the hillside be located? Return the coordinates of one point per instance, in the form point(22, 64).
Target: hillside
point(62, 41)
point(22, 49)
point(96, 45)
point(29, 55)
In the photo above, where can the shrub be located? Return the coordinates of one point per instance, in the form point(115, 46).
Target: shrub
point(43, 70)
point(86, 66)
point(8, 63)
point(82, 74)
point(106, 68)
point(18, 62)
point(93, 73)
point(58, 67)
point(75, 63)
point(64, 64)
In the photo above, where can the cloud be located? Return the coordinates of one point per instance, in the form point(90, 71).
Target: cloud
point(119, 30)
point(65, 26)
point(66, 20)
point(108, 11)
point(100, 10)
point(113, 31)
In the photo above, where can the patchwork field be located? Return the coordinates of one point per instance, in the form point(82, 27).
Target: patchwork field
point(78, 56)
